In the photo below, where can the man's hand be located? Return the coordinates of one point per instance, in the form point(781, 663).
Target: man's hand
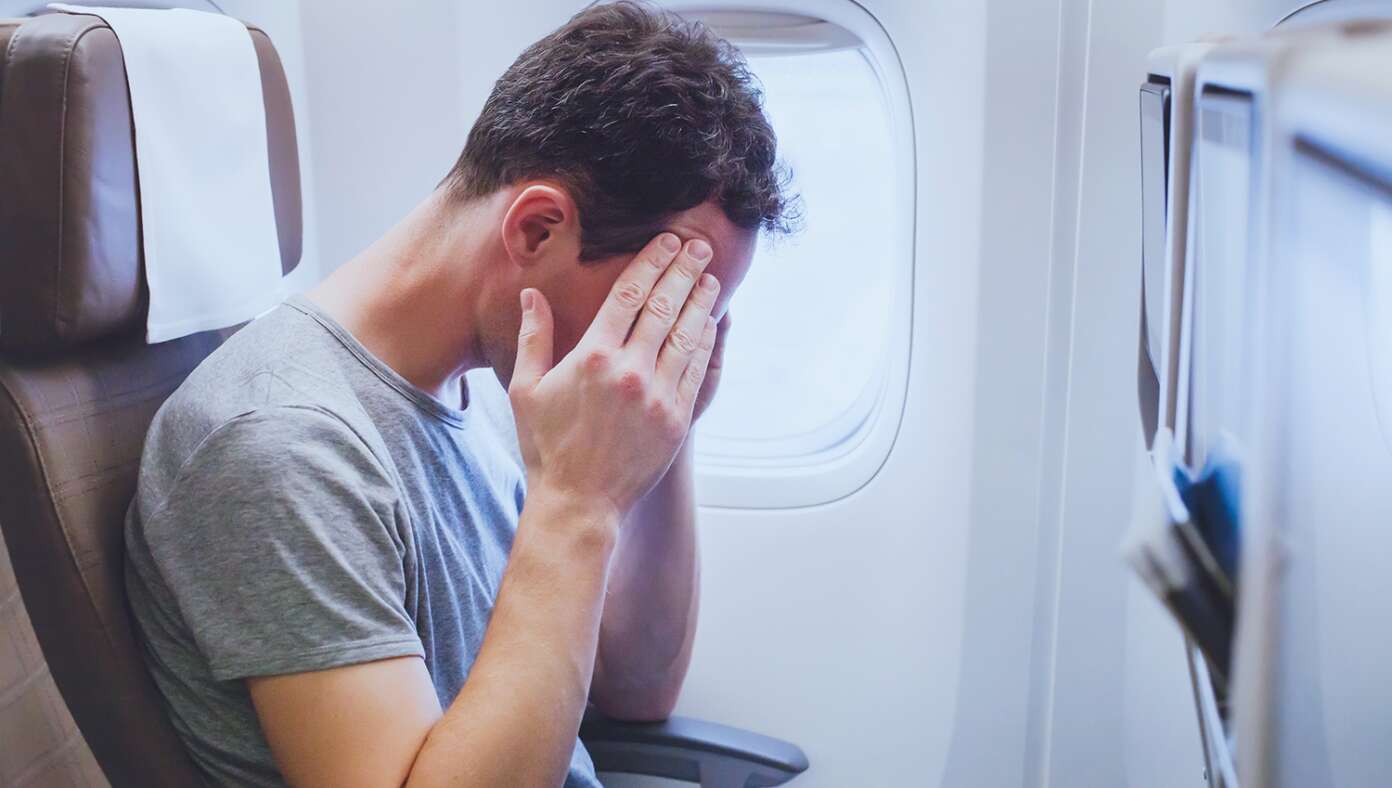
point(604, 424)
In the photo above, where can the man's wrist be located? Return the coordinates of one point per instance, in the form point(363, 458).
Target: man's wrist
point(582, 514)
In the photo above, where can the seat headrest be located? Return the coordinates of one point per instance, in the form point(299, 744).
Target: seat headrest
point(71, 266)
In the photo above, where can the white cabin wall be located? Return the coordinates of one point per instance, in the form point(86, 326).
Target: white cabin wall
point(1190, 19)
point(380, 141)
point(1080, 716)
point(1020, 92)
point(394, 90)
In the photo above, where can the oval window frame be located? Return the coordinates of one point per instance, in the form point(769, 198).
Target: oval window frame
point(825, 476)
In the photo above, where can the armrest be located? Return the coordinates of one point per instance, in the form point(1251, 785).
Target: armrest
point(694, 751)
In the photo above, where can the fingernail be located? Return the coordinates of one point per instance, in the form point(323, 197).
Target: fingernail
point(709, 282)
point(699, 250)
point(669, 242)
point(528, 300)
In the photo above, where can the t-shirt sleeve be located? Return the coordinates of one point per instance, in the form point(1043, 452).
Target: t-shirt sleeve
point(280, 543)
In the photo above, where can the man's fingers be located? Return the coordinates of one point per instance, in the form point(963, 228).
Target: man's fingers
point(534, 341)
point(695, 374)
point(631, 290)
point(668, 297)
point(685, 336)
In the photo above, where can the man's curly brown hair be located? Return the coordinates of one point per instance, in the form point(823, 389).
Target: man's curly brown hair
point(641, 115)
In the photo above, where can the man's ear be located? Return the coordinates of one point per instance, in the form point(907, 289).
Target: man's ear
point(541, 223)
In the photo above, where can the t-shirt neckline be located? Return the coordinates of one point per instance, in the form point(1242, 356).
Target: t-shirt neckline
point(422, 399)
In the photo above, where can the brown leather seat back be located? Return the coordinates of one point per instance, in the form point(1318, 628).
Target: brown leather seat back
point(39, 743)
point(78, 389)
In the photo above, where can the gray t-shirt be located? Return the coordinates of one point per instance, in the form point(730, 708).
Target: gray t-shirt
point(301, 506)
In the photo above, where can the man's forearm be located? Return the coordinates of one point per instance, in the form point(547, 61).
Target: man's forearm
point(519, 711)
point(650, 612)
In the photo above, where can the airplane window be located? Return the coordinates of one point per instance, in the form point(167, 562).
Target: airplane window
point(805, 367)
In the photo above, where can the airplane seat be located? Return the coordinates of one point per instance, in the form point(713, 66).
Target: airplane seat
point(78, 389)
point(42, 743)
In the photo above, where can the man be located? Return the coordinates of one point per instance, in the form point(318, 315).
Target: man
point(344, 570)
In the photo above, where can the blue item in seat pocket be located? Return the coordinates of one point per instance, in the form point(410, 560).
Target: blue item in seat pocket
point(1213, 498)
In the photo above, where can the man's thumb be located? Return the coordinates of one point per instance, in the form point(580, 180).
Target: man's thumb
point(534, 340)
